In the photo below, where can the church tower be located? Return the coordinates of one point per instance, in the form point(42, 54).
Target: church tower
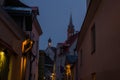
point(49, 42)
point(70, 30)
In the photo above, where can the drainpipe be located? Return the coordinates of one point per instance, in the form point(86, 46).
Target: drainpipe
point(32, 59)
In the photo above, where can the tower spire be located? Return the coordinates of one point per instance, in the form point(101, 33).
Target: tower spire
point(70, 30)
point(70, 19)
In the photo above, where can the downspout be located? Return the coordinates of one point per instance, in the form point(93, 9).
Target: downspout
point(31, 61)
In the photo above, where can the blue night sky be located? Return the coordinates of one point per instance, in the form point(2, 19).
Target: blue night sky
point(54, 18)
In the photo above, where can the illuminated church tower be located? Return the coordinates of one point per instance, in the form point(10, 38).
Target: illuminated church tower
point(49, 42)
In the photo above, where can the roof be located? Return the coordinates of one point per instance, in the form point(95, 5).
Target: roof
point(92, 8)
point(68, 43)
point(14, 3)
point(71, 39)
point(48, 60)
point(71, 58)
point(38, 26)
point(53, 49)
point(35, 10)
point(17, 7)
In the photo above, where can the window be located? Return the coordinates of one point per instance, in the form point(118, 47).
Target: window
point(28, 23)
point(93, 39)
point(93, 76)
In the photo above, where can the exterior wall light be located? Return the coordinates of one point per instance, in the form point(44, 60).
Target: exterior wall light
point(68, 70)
point(2, 59)
point(27, 45)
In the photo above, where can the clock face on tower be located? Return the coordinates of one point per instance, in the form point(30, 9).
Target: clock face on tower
point(49, 44)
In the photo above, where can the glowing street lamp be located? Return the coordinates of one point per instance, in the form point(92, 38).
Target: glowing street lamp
point(27, 45)
point(68, 70)
point(2, 59)
point(53, 76)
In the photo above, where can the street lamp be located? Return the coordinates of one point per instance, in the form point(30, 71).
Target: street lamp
point(53, 76)
point(2, 59)
point(68, 71)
